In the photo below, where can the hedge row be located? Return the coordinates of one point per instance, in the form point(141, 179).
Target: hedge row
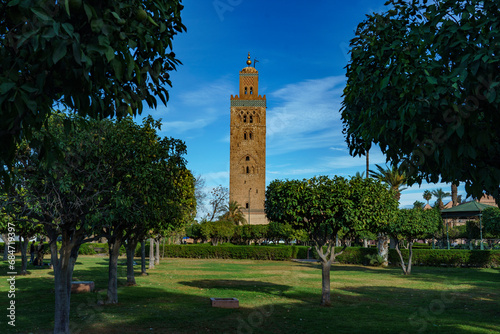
point(451, 258)
point(206, 251)
point(351, 255)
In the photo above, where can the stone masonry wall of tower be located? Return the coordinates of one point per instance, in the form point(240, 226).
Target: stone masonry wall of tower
point(247, 174)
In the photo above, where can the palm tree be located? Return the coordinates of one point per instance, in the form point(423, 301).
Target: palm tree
point(427, 196)
point(418, 205)
point(392, 177)
point(367, 163)
point(360, 175)
point(234, 213)
point(454, 194)
point(440, 194)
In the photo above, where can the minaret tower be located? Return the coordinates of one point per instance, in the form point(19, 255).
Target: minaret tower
point(247, 176)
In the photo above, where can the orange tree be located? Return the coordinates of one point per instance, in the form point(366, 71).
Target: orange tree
point(98, 58)
point(111, 179)
point(410, 225)
point(325, 206)
point(146, 182)
point(71, 192)
point(17, 204)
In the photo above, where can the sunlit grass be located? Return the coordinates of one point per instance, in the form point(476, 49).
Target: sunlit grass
point(275, 297)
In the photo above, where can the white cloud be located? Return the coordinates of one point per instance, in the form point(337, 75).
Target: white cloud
point(199, 107)
point(209, 94)
point(306, 116)
point(183, 126)
point(216, 178)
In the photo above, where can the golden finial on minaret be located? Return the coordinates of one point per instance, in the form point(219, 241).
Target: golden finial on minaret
point(249, 62)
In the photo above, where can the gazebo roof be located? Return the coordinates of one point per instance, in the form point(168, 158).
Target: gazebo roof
point(469, 209)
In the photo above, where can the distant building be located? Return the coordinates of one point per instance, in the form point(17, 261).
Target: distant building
point(247, 173)
point(487, 199)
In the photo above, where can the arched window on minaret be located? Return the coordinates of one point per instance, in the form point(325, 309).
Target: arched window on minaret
point(251, 90)
point(246, 91)
point(244, 118)
point(248, 170)
point(251, 119)
point(250, 136)
point(247, 158)
point(245, 136)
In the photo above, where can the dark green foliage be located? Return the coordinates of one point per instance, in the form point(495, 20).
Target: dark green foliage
point(99, 59)
point(194, 231)
point(421, 245)
point(217, 231)
point(491, 221)
point(206, 251)
point(423, 84)
point(375, 260)
point(351, 255)
point(472, 230)
point(87, 249)
point(280, 231)
point(415, 223)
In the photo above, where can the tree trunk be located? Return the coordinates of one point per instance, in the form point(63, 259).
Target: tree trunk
point(403, 266)
point(114, 252)
point(131, 245)
point(365, 243)
point(157, 255)
point(408, 271)
point(5, 238)
point(63, 274)
point(406, 268)
point(325, 283)
point(367, 163)
point(383, 247)
point(151, 253)
point(327, 259)
point(454, 194)
point(143, 257)
point(24, 256)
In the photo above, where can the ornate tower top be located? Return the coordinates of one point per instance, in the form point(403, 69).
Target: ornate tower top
point(249, 62)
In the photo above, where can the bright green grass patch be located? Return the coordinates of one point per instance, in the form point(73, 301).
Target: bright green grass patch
point(275, 297)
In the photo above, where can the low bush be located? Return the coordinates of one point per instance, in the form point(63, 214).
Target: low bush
point(206, 251)
point(351, 255)
point(421, 245)
point(452, 257)
point(375, 260)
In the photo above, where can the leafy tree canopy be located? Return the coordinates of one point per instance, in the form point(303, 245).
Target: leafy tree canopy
point(97, 58)
point(415, 223)
point(491, 221)
point(423, 84)
point(325, 206)
point(412, 224)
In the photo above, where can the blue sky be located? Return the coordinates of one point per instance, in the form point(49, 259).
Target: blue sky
point(302, 49)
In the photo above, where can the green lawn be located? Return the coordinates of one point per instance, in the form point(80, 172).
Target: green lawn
point(275, 297)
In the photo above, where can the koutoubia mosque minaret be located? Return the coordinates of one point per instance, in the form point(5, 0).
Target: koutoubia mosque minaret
point(247, 174)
